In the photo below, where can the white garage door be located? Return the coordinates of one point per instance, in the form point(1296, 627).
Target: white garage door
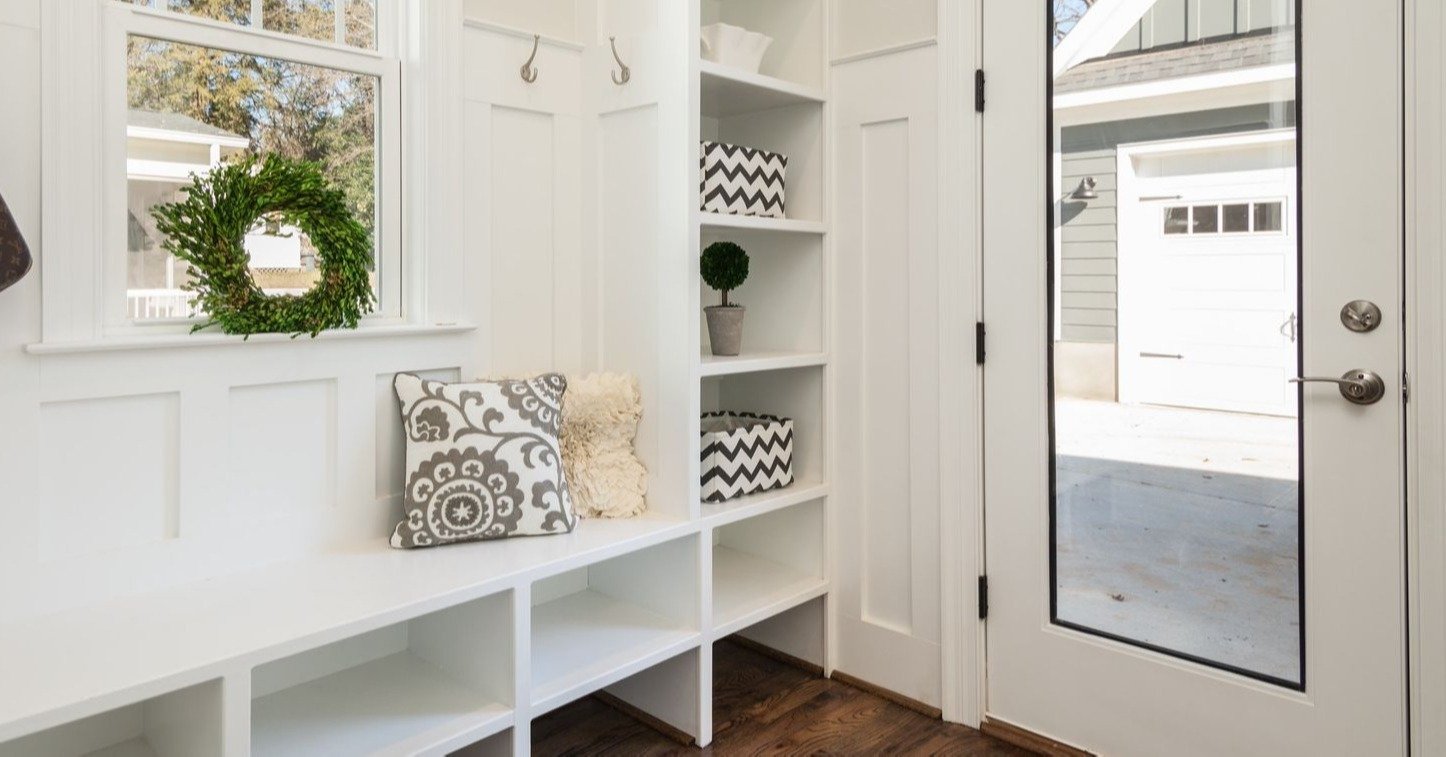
point(1207, 274)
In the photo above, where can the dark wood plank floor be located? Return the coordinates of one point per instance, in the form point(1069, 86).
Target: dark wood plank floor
point(762, 706)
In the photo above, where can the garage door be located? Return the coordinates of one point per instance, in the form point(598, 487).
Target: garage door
point(1207, 277)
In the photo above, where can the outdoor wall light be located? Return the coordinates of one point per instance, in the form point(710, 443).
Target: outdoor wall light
point(1085, 190)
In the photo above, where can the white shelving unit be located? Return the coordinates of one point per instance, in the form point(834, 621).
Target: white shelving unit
point(769, 567)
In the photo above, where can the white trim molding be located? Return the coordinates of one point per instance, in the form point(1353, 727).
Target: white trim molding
point(1223, 89)
point(1425, 344)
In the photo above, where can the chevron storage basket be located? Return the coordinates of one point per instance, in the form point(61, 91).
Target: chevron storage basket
point(741, 181)
point(744, 453)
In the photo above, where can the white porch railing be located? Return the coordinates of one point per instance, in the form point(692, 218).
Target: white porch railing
point(144, 304)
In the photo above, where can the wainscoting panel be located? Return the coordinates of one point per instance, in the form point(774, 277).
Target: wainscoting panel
point(282, 452)
point(108, 474)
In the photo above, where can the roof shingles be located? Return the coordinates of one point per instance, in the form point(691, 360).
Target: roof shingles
point(1247, 51)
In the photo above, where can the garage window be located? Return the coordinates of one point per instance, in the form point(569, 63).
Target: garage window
point(1264, 217)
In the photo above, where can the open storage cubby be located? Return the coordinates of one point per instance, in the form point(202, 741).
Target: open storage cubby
point(437, 682)
point(796, 131)
point(783, 295)
point(767, 564)
point(797, 54)
point(795, 393)
point(496, 745)
point(596, 625)
point(184, 723)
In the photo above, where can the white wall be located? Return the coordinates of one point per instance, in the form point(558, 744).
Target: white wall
point(859, 26)
point(550, 18)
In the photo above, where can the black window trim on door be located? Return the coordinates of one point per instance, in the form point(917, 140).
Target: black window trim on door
point(1050, 200)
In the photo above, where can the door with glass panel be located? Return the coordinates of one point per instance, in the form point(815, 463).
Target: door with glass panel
point(1193, 388)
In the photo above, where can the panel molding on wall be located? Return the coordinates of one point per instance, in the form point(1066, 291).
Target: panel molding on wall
point(888, 426)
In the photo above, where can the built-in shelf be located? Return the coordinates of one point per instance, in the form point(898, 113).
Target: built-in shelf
point(760, 223)
point(137, 747)
point(728, 91)
point(587, 640)
point(748, 588)
point(720, 513)
point(398, 704)
point(721, 365)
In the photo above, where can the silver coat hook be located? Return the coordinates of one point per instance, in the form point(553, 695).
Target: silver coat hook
point(619, 78)
point(529, 71)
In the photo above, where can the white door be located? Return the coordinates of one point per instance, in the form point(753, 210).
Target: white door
point(1169, 580)
point(1207, 277)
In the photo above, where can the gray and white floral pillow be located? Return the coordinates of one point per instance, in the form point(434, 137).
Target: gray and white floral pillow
point(483, 460)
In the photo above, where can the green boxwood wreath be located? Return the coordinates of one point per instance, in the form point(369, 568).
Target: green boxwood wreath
point(208, 228)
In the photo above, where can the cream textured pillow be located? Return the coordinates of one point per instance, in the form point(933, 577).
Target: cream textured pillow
point(483, 460)
point(600, 419)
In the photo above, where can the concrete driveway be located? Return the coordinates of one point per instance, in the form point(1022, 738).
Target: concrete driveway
point(1179, 528)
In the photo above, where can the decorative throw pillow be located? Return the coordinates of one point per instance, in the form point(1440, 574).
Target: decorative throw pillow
point(483, 460)
point(600, 420)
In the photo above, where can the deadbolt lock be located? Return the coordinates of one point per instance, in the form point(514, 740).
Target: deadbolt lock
point(1360, 316)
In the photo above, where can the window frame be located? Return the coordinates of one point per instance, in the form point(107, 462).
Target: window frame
point(84, 196)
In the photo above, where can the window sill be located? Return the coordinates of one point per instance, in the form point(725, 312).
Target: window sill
point(187, 340)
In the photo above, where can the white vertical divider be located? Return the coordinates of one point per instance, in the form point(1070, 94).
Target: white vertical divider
point(705, 613)
point(522, 670)
point(236, 713)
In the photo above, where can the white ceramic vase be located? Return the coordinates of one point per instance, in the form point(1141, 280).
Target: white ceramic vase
point(734, 46)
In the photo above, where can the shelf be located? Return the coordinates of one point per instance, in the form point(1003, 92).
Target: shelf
point(720, 513)
point(721, 365)
point(760, 223)
point(587, 640)
point(398, 704)
point(748, 589)
point(728, 91)
point(137, 747)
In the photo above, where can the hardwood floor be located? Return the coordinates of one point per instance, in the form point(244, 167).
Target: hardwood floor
point(762, 706)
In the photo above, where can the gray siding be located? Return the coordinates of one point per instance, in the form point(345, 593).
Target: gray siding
point(1088, 233)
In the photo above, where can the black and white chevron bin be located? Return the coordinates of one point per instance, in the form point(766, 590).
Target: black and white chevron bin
point(741, 181)
point(744, 453)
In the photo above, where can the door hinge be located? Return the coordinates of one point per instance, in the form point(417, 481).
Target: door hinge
point(979, 343)
point(983, 597)
point(978, 90)
point(1405, 386)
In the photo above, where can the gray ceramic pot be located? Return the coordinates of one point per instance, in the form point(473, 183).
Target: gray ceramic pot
point(725, 328)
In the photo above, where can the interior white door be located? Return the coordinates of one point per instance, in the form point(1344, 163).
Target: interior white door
point(1191, 582)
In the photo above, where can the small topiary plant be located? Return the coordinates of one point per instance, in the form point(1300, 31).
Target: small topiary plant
point(725, 267)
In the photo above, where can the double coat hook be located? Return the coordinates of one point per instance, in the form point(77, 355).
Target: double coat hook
point(619, 77)
point(529, 71)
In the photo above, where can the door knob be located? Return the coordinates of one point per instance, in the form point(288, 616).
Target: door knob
point(1360, 387)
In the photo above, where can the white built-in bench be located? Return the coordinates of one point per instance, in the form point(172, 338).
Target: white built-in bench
point(379, 651)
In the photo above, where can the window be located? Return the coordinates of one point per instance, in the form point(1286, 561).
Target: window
point(1232, 218)
point(206, 81)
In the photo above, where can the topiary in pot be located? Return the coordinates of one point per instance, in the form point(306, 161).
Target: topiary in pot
point(725, 267)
